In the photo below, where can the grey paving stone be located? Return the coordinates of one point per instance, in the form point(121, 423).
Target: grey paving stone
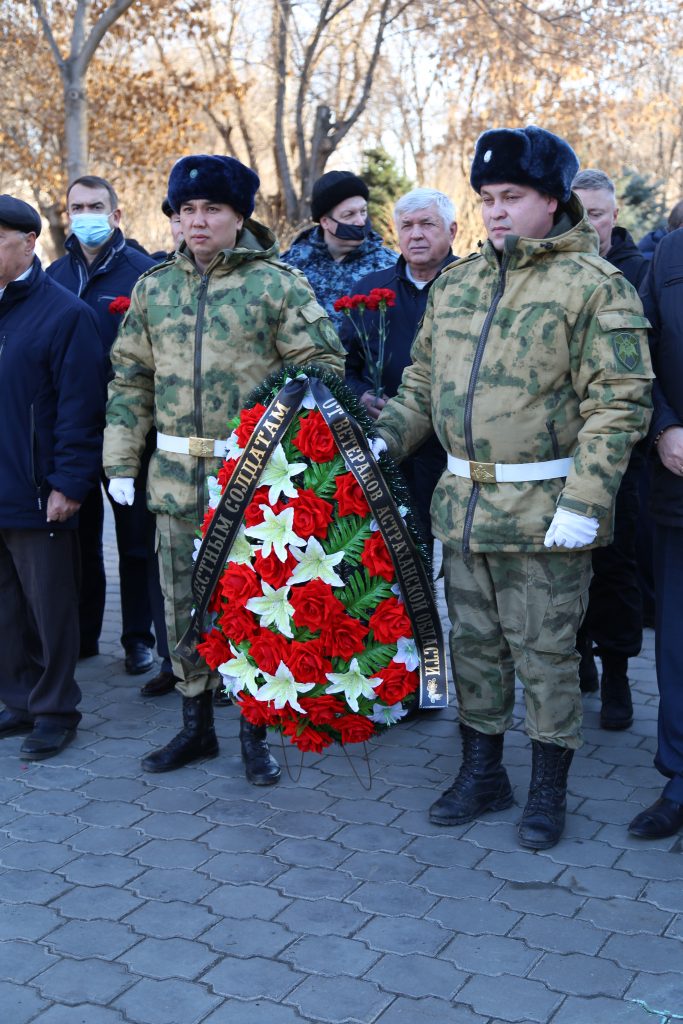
point(405, 935)
point(170, 883)
point(261, 938)
point(86, 1013)
point(441, 851)
point(170, 920)
point(259, 1011)
point(235, 867)
point(411, 799)
point(343, 786)
point(114, 766)
point(511, 999)
point(653, 864)
point(21, 961)
point(166, 1002)
point(52, 801)
point(19, 1003)
point(392, 899)
point(100, 839)
point(53, 776)
point(603, 882)
point(599, 1010)
point(180, 800)
point(168, 958)
point(30, 887)
point(664, 895)
point(252, 978)
point(490, 954)
point(582, 853)
point(530, 898)
point(362, 812)
point(91, 903)
point(84, 939)
point(293, 798)
point(473, 916)
point(38, 827)
point(316, 883)
point(418, 978)
point(240, 838)
point(98, 869)
point(337, 1000)
point(520, 866)
point(25, 921)
point(322, 917)
point(456, 880)
point(245, 901)
point(176, 853)
point(111, 812)
point(322, 853)
point(173, 826)
point(579, 975)
point(629, 917)
point(560, 934)
point(595, 788)
point(330, 956)
point(429, 1011)
point(235, 812)
point(79, 981)
point(388, 867)
point(612, 811)
point(302, 825)
point(676, 927)
point(43, 856)
point(659, 993)
point(657, 955)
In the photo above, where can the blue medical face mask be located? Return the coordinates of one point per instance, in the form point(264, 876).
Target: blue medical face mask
point(352, 232)
point(92, 229)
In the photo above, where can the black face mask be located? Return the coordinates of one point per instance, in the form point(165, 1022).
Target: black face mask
point(352, 232)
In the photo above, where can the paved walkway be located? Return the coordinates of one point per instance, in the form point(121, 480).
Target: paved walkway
point(193, 897)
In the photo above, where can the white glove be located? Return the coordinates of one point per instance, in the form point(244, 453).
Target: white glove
point(122, 490)
point(377, 446)
point(570, 530)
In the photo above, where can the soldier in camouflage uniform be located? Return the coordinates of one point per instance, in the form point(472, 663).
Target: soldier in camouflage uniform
point(532, 367)
point(202, 330)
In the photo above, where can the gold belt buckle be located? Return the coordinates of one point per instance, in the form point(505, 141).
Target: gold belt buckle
point(483, 472)
point(201, 447)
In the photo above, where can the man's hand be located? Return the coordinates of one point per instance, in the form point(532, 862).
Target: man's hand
point(670, 450)
point(570, 530)
point(122, 490)
point(373, 403)
point(60, 508)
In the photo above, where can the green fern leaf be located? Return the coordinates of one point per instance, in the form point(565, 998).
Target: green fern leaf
point(347, 534)
point(363, 593)
point(375, 657)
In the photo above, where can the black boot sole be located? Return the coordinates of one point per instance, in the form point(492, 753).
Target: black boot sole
point(538, 844)
point(158, 769)
point(495, 805)
point(615, 726)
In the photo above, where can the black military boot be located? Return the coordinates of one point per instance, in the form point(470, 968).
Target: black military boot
point(542, 821)
point(260, 766)
point(588, 671)
point(481, 785)
point(617, 707)
point(195, 741)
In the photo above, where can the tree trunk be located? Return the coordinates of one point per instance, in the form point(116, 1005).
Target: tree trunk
point(75, 121)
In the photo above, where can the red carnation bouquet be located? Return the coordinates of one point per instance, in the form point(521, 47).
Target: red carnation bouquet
point(354, 307)
point(309, 633)
point(119, 305)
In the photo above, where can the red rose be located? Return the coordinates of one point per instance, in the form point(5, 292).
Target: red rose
point(322, 710)
point(313, 603)
point(376, 557)
point(248, 420)
point(258, 712)
point(389, 621)
point(214, 649)
point(268, 649)
point(206, 521)
point(349, 496)
point(309, 739)
point(226, 471)
point(354, 728)
point(119, 305)
point(253, 514)
point(343, 636)
point(314, 438)
point(272, 570)
point(215, 600)
point(312, 515)
point(307, 662)
point(396, 683)
point(238, 624)
point(239, 583)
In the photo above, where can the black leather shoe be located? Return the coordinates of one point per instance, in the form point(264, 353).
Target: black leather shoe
point(139, 658)
point(161, 684)
point(260, 766)
point(481, 785)
point(13, 725)
point(195, 741)
point(616, 712)
point(88, 650)
point(664, 818)
point(45, 741)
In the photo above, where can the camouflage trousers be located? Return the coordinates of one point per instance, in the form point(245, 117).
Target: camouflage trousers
point(175, 546)
point(514, 613)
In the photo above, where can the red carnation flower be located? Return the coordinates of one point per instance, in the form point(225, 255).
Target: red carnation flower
point(396, 683)
point(343, 304)
point(376, 557)
point(354, 728)
point(119, 305)
point(359, 302)
point(382, 295)
point(343, 636)
point(272, 570)
point(349, 496)
point(312, 515)
point(307, 662)
point(314, 438)
point(214, 649)
point(322, 710)
point(248, 420)
point(313, 603)
point(390, 621)
point(268, 650)
point(239, 583)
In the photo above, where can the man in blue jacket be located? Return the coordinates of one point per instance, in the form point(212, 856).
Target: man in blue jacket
point(426, 227)
point(662, 297)
point(101, 269)
point(51, 420)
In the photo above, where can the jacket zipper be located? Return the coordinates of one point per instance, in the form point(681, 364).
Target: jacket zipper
point(32, 426)
point(550, 426)
point(469, 442)
point(197, 386)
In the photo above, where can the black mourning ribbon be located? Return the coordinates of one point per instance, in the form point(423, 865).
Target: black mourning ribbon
point(411, 572)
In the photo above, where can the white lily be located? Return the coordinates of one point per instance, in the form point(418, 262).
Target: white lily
point(197, 544)
point(273, 608)
point(407, 653)
point(241, 552)
point(232, 447)
point(276, 532)
point(353, 684)
point(315, 564)
point(239, 673)
point(278, 475)
point(214, 491)
point(384, 715)
point(282, 688)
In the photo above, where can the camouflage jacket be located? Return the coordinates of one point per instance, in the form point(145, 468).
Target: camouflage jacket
point(192, 347)
point(329, 278)
point(541, 354)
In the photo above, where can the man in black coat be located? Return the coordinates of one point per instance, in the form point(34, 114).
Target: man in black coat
point(51, 422)
point(101, 268)
point(426, 227)
point(662, 296)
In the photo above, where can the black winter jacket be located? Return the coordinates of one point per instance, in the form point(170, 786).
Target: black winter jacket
point(51, 400)
point(662, 296)
point(625, 255)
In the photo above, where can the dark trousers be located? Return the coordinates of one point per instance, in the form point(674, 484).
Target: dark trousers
point(39, 640)
point(668, 566)
point(156, 597)
point(614, 620)
point(422, 471)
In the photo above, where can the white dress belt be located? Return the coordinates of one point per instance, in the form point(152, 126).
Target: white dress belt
point(508, 473)
point(200, 447)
